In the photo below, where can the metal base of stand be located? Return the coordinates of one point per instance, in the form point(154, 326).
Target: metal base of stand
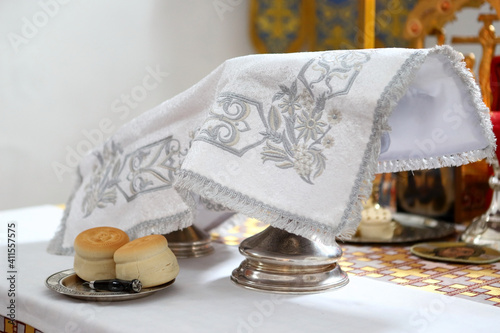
point(485, 229)
point(189, 242)
point(281, 262)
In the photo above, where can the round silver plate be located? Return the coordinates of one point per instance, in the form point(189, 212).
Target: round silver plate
point(411, 228)
point(69, 284)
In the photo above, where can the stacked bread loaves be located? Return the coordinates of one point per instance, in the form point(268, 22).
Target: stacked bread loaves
point(94, 250)
point(148, 259)
point(106, 253)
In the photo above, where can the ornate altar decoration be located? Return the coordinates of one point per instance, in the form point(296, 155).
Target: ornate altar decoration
point(488, 40)
point(289, 26)
point(430, 17)
point(279, 26)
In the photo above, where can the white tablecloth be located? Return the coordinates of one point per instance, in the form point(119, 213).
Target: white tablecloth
point(203, 299)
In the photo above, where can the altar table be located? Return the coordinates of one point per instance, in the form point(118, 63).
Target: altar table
point(203, 299)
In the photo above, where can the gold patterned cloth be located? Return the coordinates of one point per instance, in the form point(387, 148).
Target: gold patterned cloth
point(15, 326)
point(396, 264)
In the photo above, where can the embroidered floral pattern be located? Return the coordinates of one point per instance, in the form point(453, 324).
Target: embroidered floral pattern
point(228, 122)
point(310, 126)
point(294, 140)
point(302, 160)
point(298, 125)
point(231, 123)
point(149, 168)
point(305, 134)
point(328, 141)
point(101, 190)
point(334, 116)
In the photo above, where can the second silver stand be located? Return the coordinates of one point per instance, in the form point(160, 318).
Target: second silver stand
point(281, 262)
point(485, 229)
point(189, 242)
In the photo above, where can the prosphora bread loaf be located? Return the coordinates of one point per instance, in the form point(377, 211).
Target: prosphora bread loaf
point(94, 250)
point(376, 223)
point(148, 259)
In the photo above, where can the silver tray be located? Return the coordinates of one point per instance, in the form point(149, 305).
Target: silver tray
point(411, 228)
point(69, 284)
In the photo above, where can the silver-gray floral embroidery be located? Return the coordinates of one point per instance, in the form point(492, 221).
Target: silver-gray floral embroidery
point(298, 124)
point(289, 99)
point(294, 140)
point(334, 116)
point(228, 122)
point(333, 73)
point(328, 141)
point(310, 126)
point(231, 123)
point(307, 126)
point(101, 190)
point(149, 168)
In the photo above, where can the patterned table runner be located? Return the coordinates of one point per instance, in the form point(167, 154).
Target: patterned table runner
point(395, 264)
point(8, 326)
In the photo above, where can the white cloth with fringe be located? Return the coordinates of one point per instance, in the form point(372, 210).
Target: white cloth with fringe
point(291, 139)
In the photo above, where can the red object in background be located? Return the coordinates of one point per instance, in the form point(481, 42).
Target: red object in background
point(495, 83)
point(495, 108)
point(495, 120)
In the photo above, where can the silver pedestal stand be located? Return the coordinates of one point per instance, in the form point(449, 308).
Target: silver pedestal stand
point(485, 229)
point(189, 242)
point(280, 262)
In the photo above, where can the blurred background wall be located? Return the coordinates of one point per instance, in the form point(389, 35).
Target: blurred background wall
point(73, 71)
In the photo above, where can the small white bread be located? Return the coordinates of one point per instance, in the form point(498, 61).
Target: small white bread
point(376, 223)
point(94, 250)
point(376, 215)
point(147, 259)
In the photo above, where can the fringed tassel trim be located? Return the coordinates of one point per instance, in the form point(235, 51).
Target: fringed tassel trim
point(239, 202)
point(458, 66)
point(361, 191)
point(162, 225)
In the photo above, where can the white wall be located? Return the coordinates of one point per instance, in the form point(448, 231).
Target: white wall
point(69, 73)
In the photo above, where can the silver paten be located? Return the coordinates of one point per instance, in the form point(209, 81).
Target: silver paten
point(68, 283)
point(411, 228)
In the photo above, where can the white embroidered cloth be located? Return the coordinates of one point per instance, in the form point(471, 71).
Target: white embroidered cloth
point(291, 139)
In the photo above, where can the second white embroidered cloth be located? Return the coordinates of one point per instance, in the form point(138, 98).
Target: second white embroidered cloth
point(291, 139)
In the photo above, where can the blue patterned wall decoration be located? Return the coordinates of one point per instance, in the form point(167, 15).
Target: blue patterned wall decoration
point(313, 25)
